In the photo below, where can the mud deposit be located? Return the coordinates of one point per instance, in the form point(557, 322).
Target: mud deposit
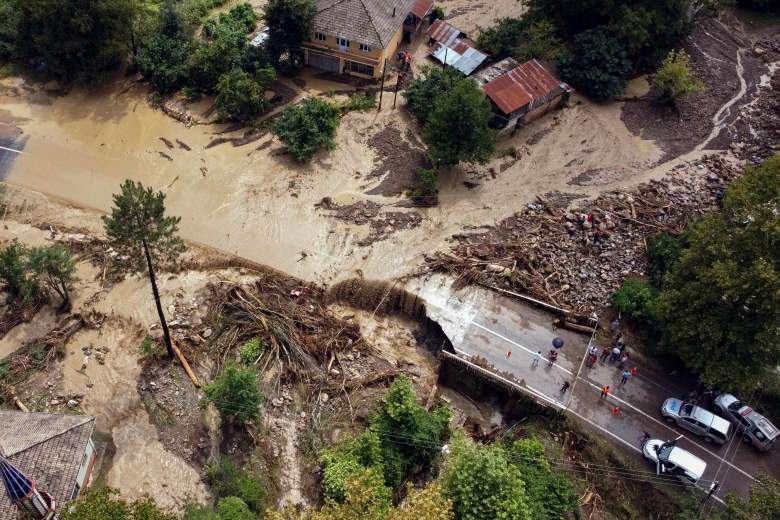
point(721, 59)
point(396, 163)
point(381, 224)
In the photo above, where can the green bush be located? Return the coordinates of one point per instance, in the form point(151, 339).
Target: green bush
point(599, 65)
point(308, 127)
point(638, 300)
point(241, 16)
point(149, 348)
point(226, 479)
point(360, 101)
point(675, 77)
point(219, 56)
point(252, 350)
point(233, 508)
point(236, 394)
point(102, 503)
point(240, 96)
point(522, 39)
point(425, 191)
point(437, 13)
point(15, 274)
point(164, 52)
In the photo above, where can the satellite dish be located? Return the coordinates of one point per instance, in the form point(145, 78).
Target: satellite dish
point(558, 343)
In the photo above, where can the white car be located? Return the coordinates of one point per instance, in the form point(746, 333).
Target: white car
point(671, 460)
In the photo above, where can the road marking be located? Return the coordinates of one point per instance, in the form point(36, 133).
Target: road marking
point(11, 150)
point(626, 403)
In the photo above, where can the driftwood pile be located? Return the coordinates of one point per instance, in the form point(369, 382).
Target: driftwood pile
point(576, 259)
point(300, 334)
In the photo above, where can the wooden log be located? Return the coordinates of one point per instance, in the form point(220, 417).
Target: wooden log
point(566, 324)
point(20, 405)
point(186, 365)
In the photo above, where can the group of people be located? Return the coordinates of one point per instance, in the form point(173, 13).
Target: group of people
point(405, 60)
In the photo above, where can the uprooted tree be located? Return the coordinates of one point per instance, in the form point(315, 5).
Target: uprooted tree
point(144, 237)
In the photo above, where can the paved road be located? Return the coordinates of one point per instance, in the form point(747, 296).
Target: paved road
point(482, 324)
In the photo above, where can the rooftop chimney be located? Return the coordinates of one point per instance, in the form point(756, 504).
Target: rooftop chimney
point(393, 12)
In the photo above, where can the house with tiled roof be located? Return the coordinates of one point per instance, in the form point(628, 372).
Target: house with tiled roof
point(45, 460)
point(355, 37)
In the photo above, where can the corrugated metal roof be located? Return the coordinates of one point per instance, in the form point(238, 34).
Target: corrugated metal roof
point(421, 8)
point(522, 85)
point(460, 55)
point(443, 32)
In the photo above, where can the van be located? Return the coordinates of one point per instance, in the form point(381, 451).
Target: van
point(671, 460)
point(697, 420)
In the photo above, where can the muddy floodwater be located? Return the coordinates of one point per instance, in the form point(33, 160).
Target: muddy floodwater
point(256, 202)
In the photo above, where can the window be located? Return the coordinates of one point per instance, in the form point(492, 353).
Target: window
point(319, 36)
point(343, 42)
point(365, 48)
point(359, 68)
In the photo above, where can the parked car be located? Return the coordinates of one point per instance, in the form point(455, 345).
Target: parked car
point(697, 420)
point(672, 460)
point(755, 428)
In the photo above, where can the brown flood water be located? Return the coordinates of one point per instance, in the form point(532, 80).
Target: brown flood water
point(257, 204)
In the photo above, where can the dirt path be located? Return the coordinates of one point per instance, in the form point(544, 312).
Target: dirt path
point(290, 480)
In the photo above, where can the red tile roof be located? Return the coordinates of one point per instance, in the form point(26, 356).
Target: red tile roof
point(521, 85)
point(422, 7)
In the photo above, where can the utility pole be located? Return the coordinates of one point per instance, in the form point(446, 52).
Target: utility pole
point(711, 491)
point(444, 63)
point(397, 84)
point(584, 356)
point(382, 88)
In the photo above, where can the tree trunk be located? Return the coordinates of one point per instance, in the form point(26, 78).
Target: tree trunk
point(156, 293)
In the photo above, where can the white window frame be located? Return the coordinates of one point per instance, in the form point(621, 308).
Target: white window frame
point(365, 48)
point(320, 36)
point(342, 42)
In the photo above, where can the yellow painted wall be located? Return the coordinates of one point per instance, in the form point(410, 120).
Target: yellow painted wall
point(374, 58)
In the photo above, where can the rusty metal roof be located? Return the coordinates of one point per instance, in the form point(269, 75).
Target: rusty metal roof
point(522, 85)
point(443, 32)
point(421, 8)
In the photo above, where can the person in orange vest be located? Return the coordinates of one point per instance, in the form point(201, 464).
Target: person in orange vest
point(604, 392)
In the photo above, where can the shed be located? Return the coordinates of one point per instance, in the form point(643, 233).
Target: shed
point(460, 54)
point(443, 33)
point(524, 93)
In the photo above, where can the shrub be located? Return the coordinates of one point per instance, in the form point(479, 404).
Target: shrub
point(425, 191)
point(252, 350)
point(241, 97)
point(102, 503)
point(675, 77)
point(308, 127)
point(149, 348)
point(236, 394)
point(242, 17)
point(360, 101)
point(233, 508)
point(217, 57)
point(638, 300)
point(521, 38)
point(437, 13)
point(599, 65)
point(228, 480)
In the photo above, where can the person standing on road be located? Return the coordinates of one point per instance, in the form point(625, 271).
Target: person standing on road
point(604, 354)
point(615, 355)
point(614, 326)
point(565, 387)
point(537, 357)
point(604, 392)
point(626, 375)
point(633, 371)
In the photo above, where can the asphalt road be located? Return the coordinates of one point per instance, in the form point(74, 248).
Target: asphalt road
point(507, 334)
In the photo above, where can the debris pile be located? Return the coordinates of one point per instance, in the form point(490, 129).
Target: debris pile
point(365, 212)
point(577, 259)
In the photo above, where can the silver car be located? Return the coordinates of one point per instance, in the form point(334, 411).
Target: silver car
point(671, 460)
point(756, 429)
point(697, 420)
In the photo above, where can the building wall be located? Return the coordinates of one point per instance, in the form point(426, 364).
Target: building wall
point(88, 462)
point(373, 58)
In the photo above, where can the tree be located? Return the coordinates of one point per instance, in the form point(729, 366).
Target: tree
point(636, 299)
point(289, 24)
point(74, 40)
point(763, 502)
point(242, 16)
point(15, 274)
point(105, 504)
point(144, 237)
point(599, 65)
point(422, 92)
point(550, 494)
point(426, 504)
point(458, 129)
point(482, 483)
point(719, 309)
point(9, 20)
point(242, 97)
point(410, 435)
point(217, 57)
point(164, 53)
point(675, 77)
point(307, 127)
point(56, 269)
point(663, 252)
point(236, 394)
point(522, 39)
